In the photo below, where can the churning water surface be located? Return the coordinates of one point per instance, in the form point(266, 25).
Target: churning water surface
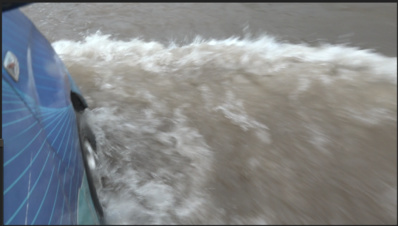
point(236, 113)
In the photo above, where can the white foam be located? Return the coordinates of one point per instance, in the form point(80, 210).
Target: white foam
point(373, 116)
point(152, 201)
point(233, 109)
point(259, 56)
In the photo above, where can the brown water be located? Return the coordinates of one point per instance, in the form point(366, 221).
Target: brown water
point(237, 113)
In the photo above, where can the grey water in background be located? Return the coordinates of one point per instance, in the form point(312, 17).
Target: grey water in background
point(237, 113)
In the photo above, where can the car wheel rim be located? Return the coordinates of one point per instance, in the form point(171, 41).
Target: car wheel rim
point(90, 155)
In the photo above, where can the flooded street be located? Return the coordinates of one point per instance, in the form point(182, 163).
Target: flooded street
point(236, 113)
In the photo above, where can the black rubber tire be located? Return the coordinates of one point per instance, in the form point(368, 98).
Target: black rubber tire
point(86, 133)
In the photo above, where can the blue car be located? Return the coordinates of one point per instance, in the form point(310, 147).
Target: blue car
point(48, 147)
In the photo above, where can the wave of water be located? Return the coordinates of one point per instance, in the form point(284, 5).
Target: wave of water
point(240, 131)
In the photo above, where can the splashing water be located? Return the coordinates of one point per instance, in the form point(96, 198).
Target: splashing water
point(240, 131)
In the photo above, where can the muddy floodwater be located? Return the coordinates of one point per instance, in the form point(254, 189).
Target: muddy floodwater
point(236, 113)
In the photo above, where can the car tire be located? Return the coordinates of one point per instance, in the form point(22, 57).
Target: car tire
point(88, 147)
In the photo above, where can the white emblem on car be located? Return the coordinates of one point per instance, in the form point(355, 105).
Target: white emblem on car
point(11, 65)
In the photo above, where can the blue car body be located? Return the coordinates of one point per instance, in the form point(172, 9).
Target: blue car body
point(44, 177)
